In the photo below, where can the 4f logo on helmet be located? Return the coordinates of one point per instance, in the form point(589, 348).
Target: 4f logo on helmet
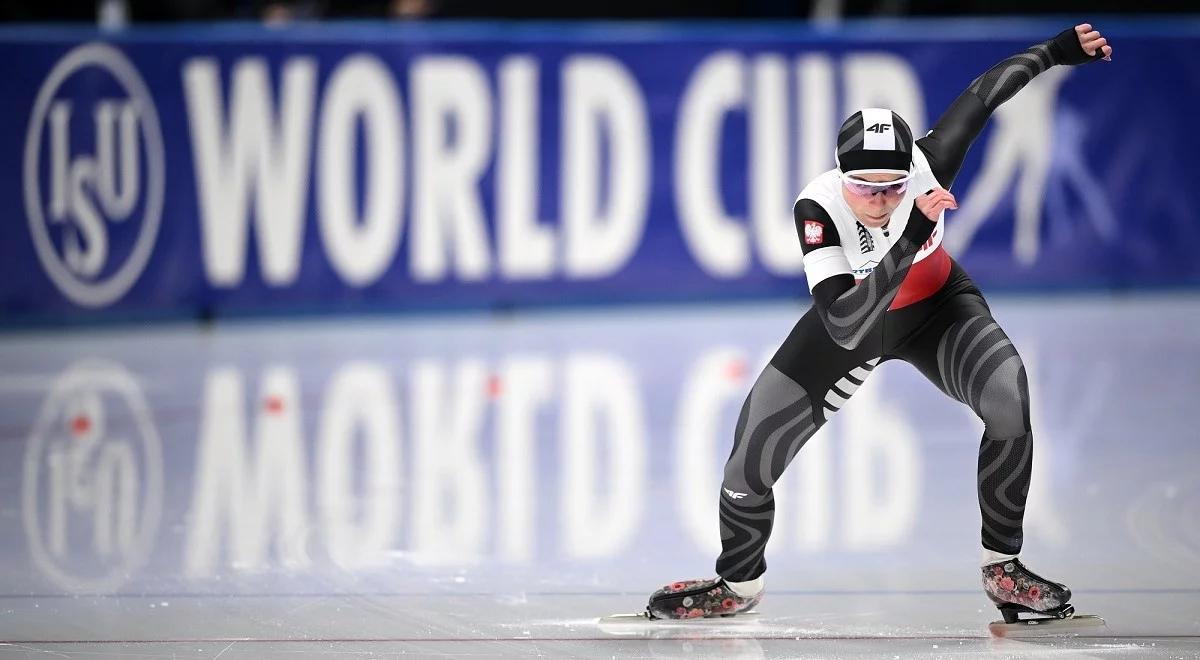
point(93, 175)
point(878, 128)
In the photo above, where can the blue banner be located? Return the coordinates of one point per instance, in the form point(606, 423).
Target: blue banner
point(356, 167)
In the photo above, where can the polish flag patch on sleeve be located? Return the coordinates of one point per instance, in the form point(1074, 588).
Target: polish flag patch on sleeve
point(814, 232)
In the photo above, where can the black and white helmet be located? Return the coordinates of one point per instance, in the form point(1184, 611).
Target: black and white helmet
point(874, 141)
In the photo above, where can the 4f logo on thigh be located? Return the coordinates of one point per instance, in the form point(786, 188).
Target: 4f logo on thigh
point(94, 175)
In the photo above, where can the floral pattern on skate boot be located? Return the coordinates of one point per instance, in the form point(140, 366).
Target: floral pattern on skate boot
point(1011, 583)
point(695, 599)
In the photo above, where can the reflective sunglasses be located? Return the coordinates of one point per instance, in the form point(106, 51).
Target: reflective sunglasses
point(862, 188)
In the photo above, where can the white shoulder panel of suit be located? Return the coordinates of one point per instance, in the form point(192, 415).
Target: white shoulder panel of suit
point(862, 247)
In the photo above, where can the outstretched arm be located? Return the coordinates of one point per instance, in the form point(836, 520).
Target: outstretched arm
point(849, 311)
point(946, 145)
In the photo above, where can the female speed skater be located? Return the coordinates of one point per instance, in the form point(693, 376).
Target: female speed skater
point(883, 288)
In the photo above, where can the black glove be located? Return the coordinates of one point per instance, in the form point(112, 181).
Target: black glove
point(1066, 49)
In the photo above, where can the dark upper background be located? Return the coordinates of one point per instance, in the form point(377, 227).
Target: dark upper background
point(140, 11)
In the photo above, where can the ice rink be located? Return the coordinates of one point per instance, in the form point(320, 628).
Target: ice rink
point(467, 485)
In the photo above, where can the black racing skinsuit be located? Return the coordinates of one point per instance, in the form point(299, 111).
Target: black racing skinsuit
point(950, 336)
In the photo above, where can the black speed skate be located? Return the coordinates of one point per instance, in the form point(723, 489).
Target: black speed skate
point(687, 599)
point(1017, 590)
point(1014, 589)
point(694, 599)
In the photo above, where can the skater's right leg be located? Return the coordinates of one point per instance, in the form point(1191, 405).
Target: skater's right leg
point(776, 420)
point(808, 380)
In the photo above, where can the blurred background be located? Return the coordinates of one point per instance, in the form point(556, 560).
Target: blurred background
point(177, 10)
point(422, 326)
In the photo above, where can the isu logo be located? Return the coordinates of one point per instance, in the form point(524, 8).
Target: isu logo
point(814, 232)
point(92, 480)
point(93, 175)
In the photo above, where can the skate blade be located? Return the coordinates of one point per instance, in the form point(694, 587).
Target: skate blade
point(1047, 626)
point(641, 626)
point(642, 619)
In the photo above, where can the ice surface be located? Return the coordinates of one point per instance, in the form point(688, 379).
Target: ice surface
point(467, 485)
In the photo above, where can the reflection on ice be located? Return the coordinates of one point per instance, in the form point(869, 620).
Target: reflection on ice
point(390, 454)
point(92, 478)
point(468, 466)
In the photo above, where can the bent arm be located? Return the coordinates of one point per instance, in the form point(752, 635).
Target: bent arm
point(947, 144)
point(850, 311)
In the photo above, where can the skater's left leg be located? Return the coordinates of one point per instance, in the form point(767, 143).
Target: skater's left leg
point(965, 353)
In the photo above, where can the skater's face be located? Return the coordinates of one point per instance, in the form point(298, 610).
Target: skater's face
point(873, 205)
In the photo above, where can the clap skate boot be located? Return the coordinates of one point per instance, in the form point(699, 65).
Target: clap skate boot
point(1016, 589)
point(694, 599)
